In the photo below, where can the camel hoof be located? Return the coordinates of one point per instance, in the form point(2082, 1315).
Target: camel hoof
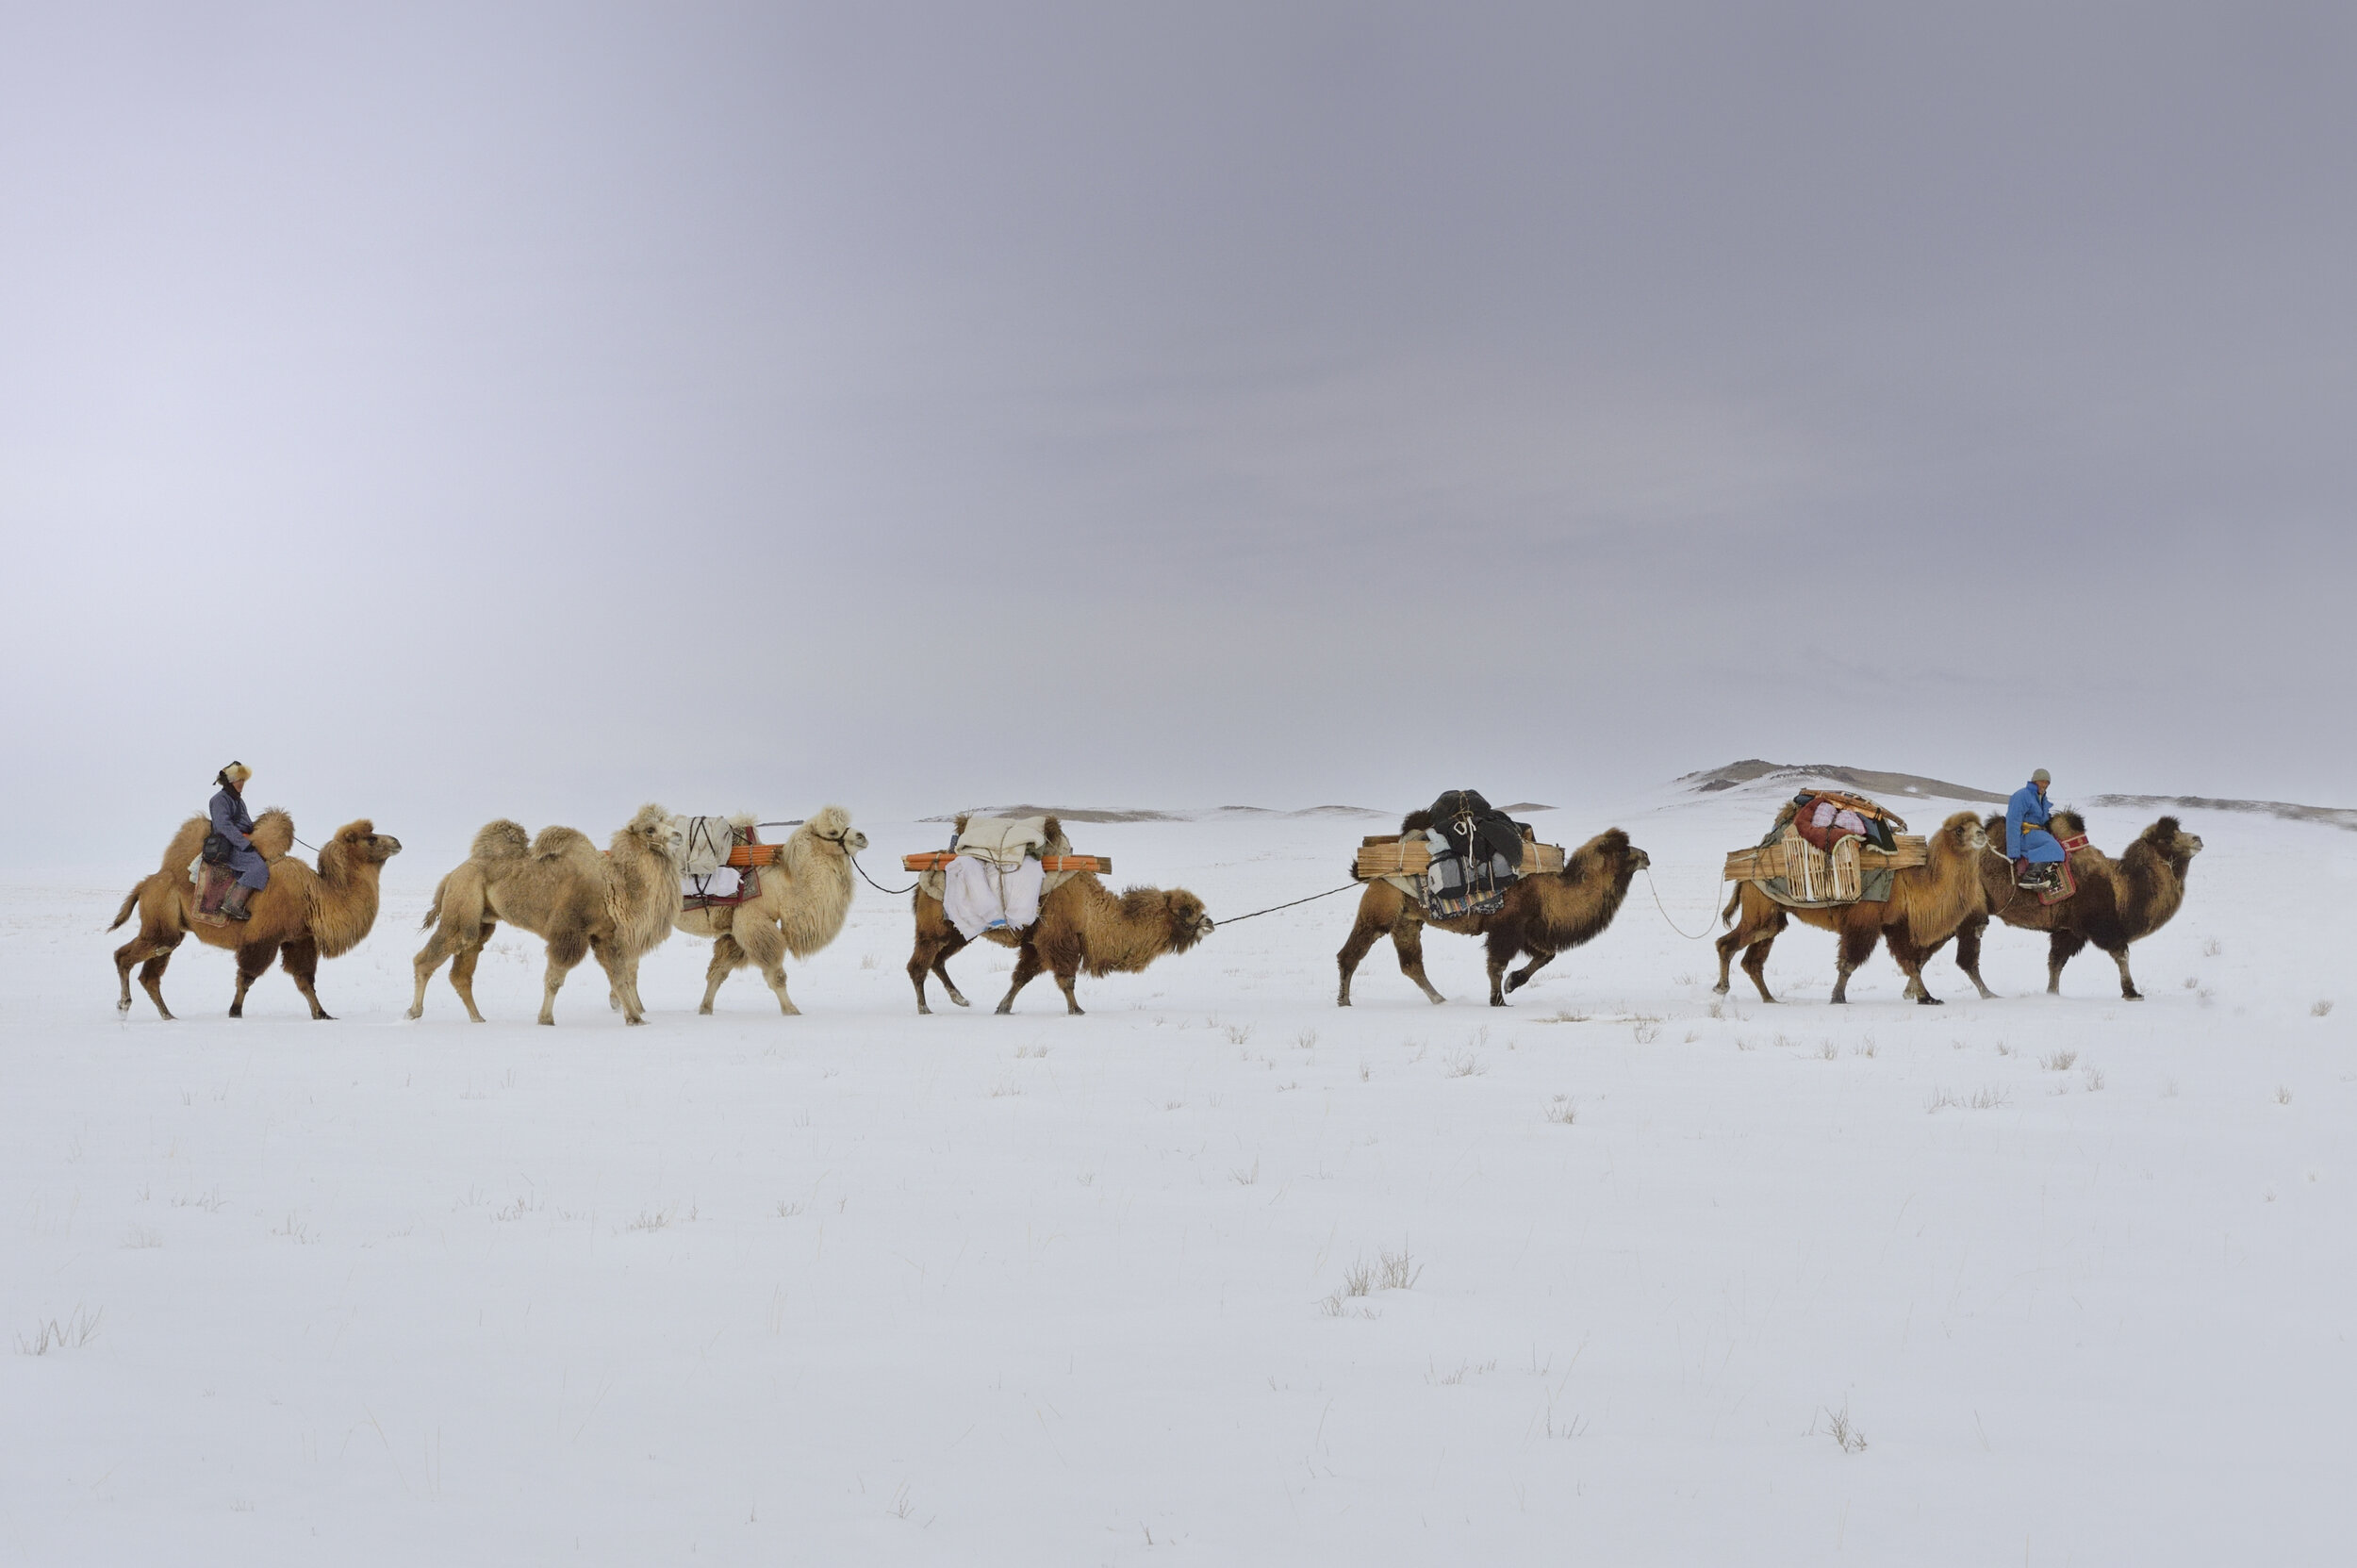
point(322, 1017)
point(2132, 995)
point(1002, 1010)
point(704, 1012)
point(924, 1012)
point(633, 1022)
point(1928, 1001)
point(415, 1012)
point(959, 1000)
point(1719, 989)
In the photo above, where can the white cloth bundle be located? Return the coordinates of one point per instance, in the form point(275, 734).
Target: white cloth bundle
point(978, 895)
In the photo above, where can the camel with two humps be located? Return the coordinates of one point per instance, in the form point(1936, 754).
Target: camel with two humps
point(1082, 927)
point(2116, 902)
point(1543, 914)
point(617, 905)
point(303, 916)
point(804, 895)
point(1927, 904)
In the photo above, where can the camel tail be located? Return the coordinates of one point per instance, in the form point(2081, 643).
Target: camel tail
point(433, 910)
point(1728, 914)
point(130, 902)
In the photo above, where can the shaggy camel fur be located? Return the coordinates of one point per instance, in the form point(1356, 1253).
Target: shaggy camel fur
point(1080, 925)
point(804, 895)
point(2118, 901)
point(303, 914)
point(616, 905)
point(1927, 904)
point(1545, 914)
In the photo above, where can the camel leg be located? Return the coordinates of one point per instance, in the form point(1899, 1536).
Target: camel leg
point(1369, 925)
point(726, 957)
point(1066, 962)
point(765, 946)
point(1027, 969)
point(1856, 947)
point(152, 981)
point(253, 964)
point(1408, 938)
point(1910, 959)
point(566, 951)
point(1756, 964)
point(301, 960)
point(153, 954)
point(931, 955)
point(1521, 977)
point(1752, 936)
point(447, 944)
point(1968, 955)
point(940, 972)
point(2061, 948)
point(621, 976)
point(2128, 991)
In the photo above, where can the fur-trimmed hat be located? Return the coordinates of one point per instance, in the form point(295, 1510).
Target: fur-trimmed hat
point(236, 773)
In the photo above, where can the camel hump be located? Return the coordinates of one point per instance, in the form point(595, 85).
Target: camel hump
point(274, 833)
point(556, 843)
point(187, 844)
point(500, 840)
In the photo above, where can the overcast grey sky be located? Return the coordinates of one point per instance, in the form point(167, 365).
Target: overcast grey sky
point(469, 412)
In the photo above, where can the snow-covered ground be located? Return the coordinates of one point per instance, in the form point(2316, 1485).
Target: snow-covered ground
point(866, 1287)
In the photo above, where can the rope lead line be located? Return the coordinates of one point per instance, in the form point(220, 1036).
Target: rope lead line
point(1690, 935)
point(1274, 908)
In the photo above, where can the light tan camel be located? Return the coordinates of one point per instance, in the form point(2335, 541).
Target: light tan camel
point(1926, 905)
point(1543, 914)
point(303, 914)
point(803, 896)
point(616, 905)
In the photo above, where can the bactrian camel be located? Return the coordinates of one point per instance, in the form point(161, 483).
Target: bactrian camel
point(1081, 926)
point(2118, 901)
point(1543, 914)
point(616, 905)
point(302, 916)
point(799, 909)
point(1926, 905)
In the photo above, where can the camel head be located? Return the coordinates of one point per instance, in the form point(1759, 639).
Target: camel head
point(2062, 824)
point(833, 824)
point(1190, 922)
point(1962, 835)
point(655, 832)
point(362, 841)
point(1611, 852)
point(2171, 842)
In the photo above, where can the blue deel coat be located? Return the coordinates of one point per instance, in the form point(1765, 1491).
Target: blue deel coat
point(231, 822)
point(2026, 837)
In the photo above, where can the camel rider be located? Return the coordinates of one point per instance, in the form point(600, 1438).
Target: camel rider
point(2037, 855)
point(236, 824)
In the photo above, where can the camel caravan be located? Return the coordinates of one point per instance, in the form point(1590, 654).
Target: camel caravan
point(1838, 861)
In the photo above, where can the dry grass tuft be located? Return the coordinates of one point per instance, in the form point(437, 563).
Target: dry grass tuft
point(1564, 1110)
point(2058, 1062)
point(77, 1329)
point(2320, 1010)
point(1851, 1440)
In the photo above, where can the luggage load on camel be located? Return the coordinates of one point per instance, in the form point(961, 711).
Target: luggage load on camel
point(722, 861)
point(995, 871)
point(1459, 858)
point(1828, 847)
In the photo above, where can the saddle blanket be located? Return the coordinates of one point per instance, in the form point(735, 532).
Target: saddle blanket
point(209, 888)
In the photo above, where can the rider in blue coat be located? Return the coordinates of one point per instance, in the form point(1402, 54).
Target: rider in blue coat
point(236, 824)
point(2036, 854)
